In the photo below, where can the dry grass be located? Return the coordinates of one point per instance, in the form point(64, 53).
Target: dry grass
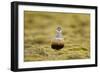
point(40, 28)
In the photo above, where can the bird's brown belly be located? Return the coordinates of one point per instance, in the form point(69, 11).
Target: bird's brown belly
point(57, 44)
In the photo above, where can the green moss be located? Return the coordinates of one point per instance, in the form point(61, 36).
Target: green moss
point(39, 30)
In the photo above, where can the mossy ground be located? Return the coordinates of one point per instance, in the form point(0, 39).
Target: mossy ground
point(39, 30)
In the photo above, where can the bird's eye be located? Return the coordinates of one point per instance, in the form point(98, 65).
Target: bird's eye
point(59, 28)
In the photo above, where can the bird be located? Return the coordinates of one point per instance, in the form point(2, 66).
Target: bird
point(58, 41)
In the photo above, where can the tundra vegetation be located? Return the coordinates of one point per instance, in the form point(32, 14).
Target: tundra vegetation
point(40, 29)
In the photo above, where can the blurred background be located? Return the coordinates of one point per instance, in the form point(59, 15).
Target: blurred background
point(40, 29)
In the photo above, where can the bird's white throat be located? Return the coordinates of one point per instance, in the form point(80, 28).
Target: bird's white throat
point(59, 33)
